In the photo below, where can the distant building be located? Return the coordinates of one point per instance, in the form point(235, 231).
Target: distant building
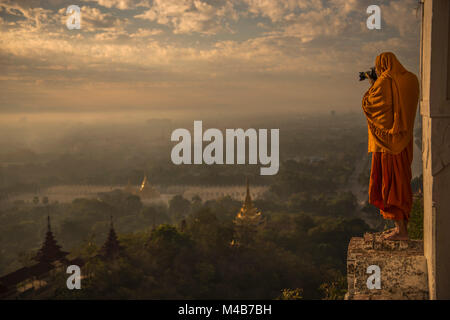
point(50, 251)
point(248, 214)
point(247, 221)
point(49, 258)
point(145, 191)
point(112, 248)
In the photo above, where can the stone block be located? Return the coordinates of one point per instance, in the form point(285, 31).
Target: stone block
point(402, 265)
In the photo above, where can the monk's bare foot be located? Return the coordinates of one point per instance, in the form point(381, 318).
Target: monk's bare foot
point(389, 232)
point(396, 237)
point(400, 233)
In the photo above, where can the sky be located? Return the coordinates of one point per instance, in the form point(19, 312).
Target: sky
point(216, 57)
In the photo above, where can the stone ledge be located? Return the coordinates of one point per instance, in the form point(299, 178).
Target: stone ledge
point(402, 264)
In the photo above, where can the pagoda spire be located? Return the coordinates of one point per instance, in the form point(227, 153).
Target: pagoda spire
point(112, 247)
point(50, 250)
point(248, 198)
point(247, 221)
point(144, 182)
point(248, 211)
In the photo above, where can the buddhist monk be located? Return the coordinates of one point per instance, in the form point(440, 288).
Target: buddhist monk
point(390, 107)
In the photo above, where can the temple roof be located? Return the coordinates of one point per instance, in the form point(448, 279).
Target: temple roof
point(49, 253)
point(112, 247)
point(50, 250)
point(25, 273)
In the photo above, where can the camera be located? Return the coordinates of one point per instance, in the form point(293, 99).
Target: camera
point(368, 74)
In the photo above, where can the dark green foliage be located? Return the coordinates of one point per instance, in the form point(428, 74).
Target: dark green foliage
point(336, 289)
point(415, 225)
point(291, 294)
point(332, 204)
point(295, 249)
point(292, 251)
point(300, 253)
point(179, 207)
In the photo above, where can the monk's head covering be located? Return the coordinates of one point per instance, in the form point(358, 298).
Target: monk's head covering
point(390, 105)
point(387, 62)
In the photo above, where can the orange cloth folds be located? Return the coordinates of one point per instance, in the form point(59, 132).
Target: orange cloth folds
point(390, 106)
point(390, 183)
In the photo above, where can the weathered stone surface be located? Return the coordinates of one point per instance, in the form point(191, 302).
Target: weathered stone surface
point(435, 111)
point(402, 264)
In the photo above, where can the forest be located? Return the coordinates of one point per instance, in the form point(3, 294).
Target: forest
point(187, 248)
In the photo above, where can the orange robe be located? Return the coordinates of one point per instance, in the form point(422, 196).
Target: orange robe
point(390, 107)
point(390, 183)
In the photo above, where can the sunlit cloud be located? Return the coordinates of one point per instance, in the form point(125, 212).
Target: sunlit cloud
point(181, 47)
point(187, 16)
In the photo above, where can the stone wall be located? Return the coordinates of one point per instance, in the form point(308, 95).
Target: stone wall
point(435, 111)
point(403, 269)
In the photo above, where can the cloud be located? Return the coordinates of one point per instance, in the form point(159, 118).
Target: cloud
point(27, 17)
point(312, 19)
point(119, 4)
point(144, 33)
point(95, 20)
point(272, 9)
point(402, 15)
point(249, 43)
point(279, 10)
point(188, 16)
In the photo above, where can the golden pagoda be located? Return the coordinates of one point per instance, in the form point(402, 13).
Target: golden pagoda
point(247, 222)
point(146, 191)
point(248, 214)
